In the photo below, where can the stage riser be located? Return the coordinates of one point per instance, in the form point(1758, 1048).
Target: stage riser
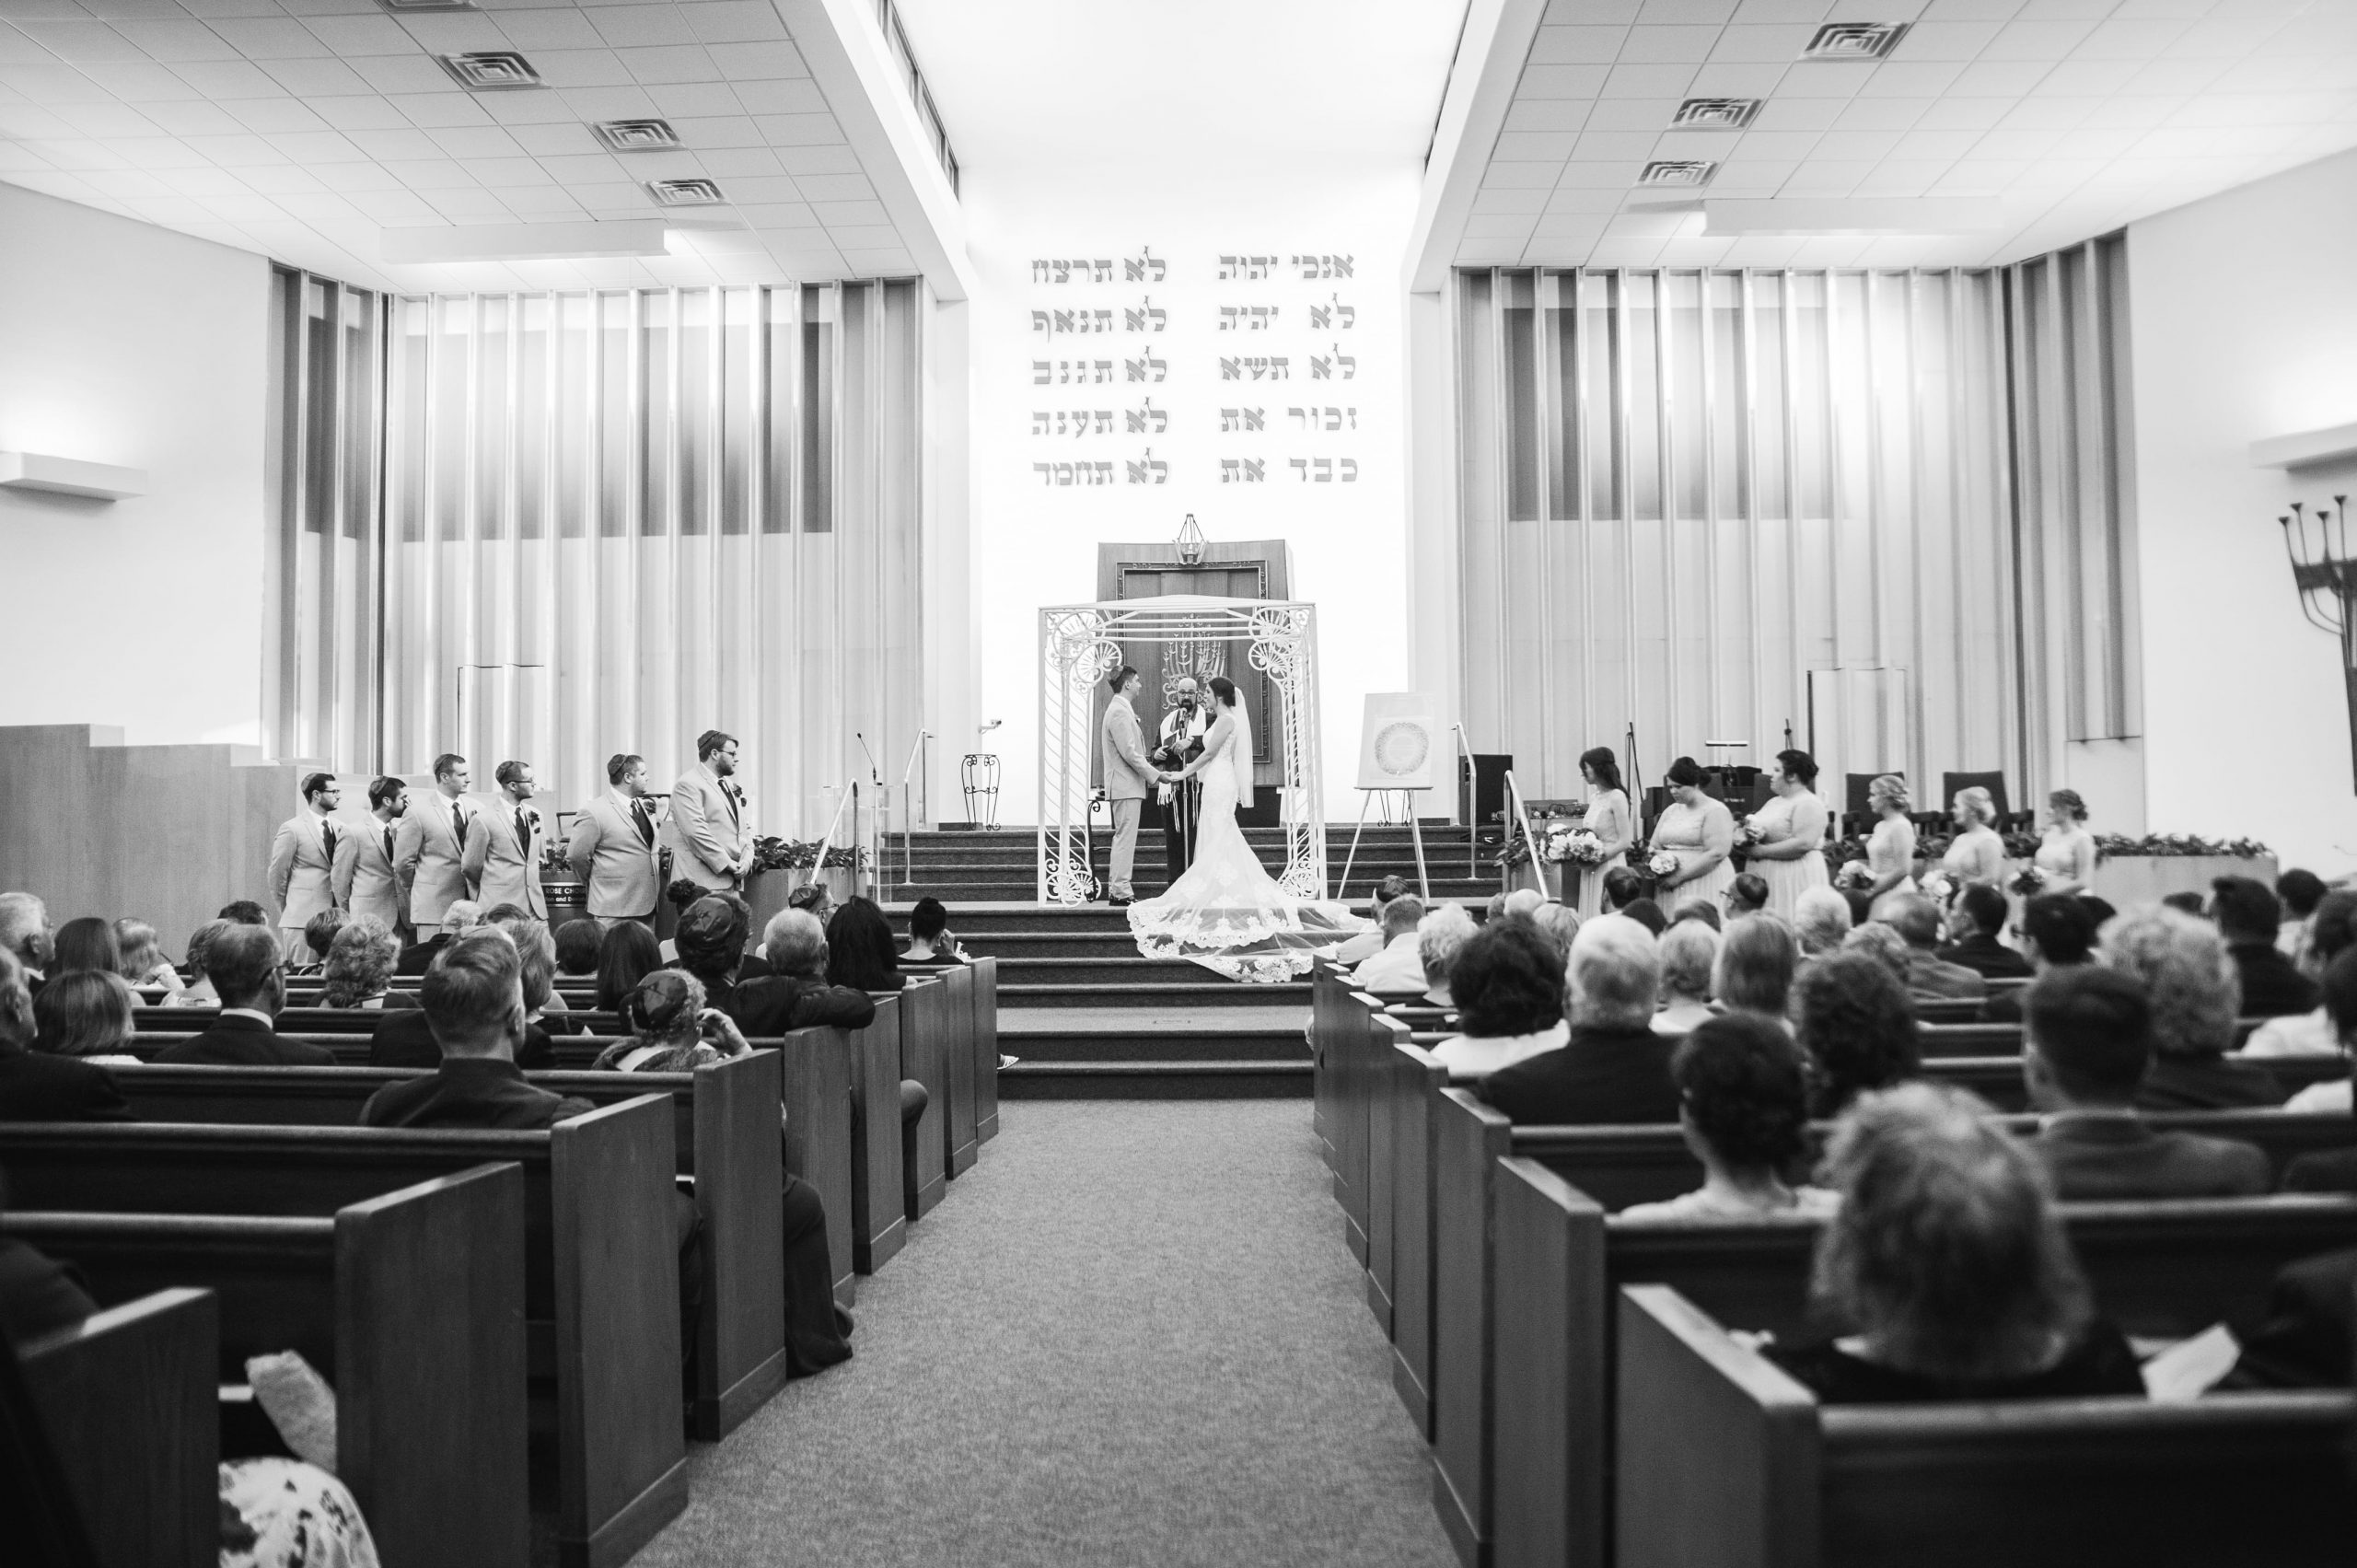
point(1360, 889)
point(1173, 1046)
point(1162, 999)
point(1158, 1081)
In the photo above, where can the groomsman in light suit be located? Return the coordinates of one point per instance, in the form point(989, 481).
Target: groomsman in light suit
point(367, 878)
point(502, 860)
point(302, 859)
point(430, 850)
point(710, 840)
point(613, 849)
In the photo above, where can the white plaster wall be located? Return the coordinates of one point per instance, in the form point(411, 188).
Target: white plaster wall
point(2244, 310)
point(1035, 544)
point(122, 343)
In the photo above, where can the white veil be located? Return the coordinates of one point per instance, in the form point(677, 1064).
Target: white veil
point(1241, 752)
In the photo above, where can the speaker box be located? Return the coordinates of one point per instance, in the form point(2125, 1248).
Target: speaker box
point(1481, 789)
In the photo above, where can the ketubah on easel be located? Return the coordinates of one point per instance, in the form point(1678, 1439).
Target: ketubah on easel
point(1398, 746)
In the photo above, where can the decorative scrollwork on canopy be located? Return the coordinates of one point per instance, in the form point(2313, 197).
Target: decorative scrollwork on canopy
point(1278, 640)
point(1078, 648)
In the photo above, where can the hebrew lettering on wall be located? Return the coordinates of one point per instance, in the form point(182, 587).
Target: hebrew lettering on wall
point(1231, 367)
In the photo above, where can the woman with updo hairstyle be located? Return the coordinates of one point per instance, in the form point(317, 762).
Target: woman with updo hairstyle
point(671, 1029)
point(1700, 832)
point(1743, 1109)
point(84, 1012)
point(151, 974)
point(1856, 1022)
point(359, 970)
point(1609, 818)
point(1754, 971)
point(1507, 983)
point(1947, 1264)
point(2066, 852)
point(1977, 854)
point(1890, 849)
point(1788, 833)
point(199, 991)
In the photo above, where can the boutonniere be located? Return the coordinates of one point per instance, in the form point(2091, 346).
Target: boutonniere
point(728, 788)
point(531, 817)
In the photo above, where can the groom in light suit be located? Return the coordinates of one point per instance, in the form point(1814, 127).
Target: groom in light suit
point(1128, 776)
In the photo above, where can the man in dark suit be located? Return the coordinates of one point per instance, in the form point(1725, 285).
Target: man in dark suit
point(794, 994)
point(246, 968)
point(1982, 910)
point(2304, 1340)
point(2086, 1046)
point(408, 1039)
point(473, 1000)
point(2058, 931)
point(1615, 1069)
point(35, 1086)
point(1917, 921)
point(2248, 913)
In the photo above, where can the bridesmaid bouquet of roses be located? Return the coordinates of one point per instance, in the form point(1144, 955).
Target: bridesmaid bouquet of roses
point(1855, 874)
point(1574, 846)
point(1662, 862)
point(2028, 882)
point(1938, 887)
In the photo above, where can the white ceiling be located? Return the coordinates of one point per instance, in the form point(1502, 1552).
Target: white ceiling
point(2079, 115)
point(301, 128)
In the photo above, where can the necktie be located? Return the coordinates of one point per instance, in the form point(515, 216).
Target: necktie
point(459, 822)
point(327, 840)
point(388, 843)
point(523, 832)
point(644, 821)
point(728, 792)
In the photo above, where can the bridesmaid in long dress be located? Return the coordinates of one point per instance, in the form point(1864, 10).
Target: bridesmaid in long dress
point(1699, 832)
point(1890, 851)
point(1609, 818)
point(1789, 852)
point(1978, 854)
point(2067, 852)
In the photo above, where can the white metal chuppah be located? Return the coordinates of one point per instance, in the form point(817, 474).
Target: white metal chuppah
point(1080, 645)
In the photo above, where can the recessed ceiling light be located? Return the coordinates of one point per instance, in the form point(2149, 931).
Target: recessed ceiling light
point(1854, 41)
point(685, 192)
point(1714, 115)
point(491, 71)
point(1678, 171)
point(400, 8)
point(636, 136)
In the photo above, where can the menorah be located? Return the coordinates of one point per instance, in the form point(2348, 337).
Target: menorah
point(2327, 579)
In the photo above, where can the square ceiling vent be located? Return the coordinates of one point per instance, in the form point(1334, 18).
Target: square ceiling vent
point(1678, 171)
point(491, 71)
point(1854, 41)
point(637, 135)
point(685, 193)
point(1714, 115)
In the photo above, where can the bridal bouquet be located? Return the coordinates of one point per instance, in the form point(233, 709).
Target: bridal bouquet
point(1855, 874)
point(1662, 862)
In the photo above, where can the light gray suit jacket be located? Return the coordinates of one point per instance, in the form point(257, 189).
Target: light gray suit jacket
point(430, 858)
point(301, 878)
point(620, 867)
point(1128, 775)
point(365, 879)
point(504, 869)
point(706, 830)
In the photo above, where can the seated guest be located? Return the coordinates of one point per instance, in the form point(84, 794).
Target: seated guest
point(627, 954)
point(243, 963)
point(795, 994)
point(674, 1031)
point(1695, 910)
point(1856, 1023)
point(2340, 1006)
point(711, 941)
point(930, 945)
point(472, 1002)
point(2331, 931)
point(359, 970)
point(1948, 1262)
point(1980, 911)
point(24, 932)
point(2191, 985)
point(38, 1295)
point(536, 948)
point(88, 943)
point(1917, 921)
point(1743, 1107)
point(1398, 969)
point(1495, 910)
point(1439, 939)
point(243, 911)
point(1820, 921)
point(2304, 1339)
point(2248, 914)
point(2086, 1045)
point(34, 1086)
point(1524, 903)
point(1560, 922)
point(408, 1039)
point(1622, 888)
point(199, 991)
point(1753, 972)
point(1507, 982)
point(862, 952)
point(578, 943)
point(458, 917)
point(1690, 950)
point(151, 974)
point(86, 1013)
point(1647, 913)
point(1747, 894)
point(2058, 932)
point(816, 899)
point(2299, 893)
point(318, 935)
point(1614, 1068)
point(1879, 941)
point(1368, 943)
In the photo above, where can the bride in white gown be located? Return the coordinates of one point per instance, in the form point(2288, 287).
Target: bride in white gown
point(1228, 913)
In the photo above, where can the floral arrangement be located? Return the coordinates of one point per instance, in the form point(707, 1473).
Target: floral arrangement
point(1574, 846)
point(2173, 845)
point(1517, 853)
point(1661, 863)
point(1855, 874)
point(2028, 882)
point(1844, 851)
point(1938, 887)
point(789, 855)
point(2021, 846)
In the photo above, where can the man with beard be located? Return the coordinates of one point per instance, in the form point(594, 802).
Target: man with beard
point(1179, 742)
point(711, 844)
point(367, 880)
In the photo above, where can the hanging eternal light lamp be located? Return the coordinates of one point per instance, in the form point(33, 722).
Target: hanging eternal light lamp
point(2327, 579)
point(1190, 543)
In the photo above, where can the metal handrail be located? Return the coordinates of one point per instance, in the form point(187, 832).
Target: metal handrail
point(1522, 816)
point(908, 819)
point(826, 839)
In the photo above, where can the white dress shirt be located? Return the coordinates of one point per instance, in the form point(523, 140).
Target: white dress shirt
point(1468, 1056)
point(1400, 967)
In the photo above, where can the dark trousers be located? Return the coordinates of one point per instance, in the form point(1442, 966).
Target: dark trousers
point(814, 1331)
point(1179, 821)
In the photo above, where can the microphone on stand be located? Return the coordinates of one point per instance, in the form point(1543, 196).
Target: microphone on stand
point(875, 773)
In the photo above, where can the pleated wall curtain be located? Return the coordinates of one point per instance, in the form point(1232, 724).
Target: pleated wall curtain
point(614, 520)
point(1714, 504)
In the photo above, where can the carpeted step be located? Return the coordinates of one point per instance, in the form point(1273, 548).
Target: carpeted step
point(1457, 889)
point(1170, 997)
point(1155, 1080)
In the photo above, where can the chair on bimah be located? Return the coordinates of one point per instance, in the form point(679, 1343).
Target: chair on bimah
point(1994, 783)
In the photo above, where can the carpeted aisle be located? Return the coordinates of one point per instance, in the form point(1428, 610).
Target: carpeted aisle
point(1132, 1335)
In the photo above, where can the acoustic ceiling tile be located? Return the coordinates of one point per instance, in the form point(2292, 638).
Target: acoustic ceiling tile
point(271, 114)
point(443, 110)
point(405, 142)
point(780, 215)
point(1915, 79)
point(1901, 176)
point(142, 81)
point(1766, 12)
point(568, 137)
point(1587, 175)
point(1521, 176)
point(799, 130)
point(2047, 114)
point(238, 152)
point(1563, 81)
point(789, 96)
point(52, 84)
point(849, 234)
point(628, 26)
point(314, 78)
point(2042, 42)
point(837, 159)
point(78, 43)
point(1750, 177)
point(887, 262)
point(1794, 144)
point(1648, 114)
point(393, 207)
point(531, 31)
point(1945, 145)
point(681, 63)
point(281, 38)
point(466, 202)
point(631, 102)
point(715, 132)
point(732, 162)
point(428, 173)
point(285, 180)
point(109, 120)
point(1648, 80)
point(846, 214)
point(411, 73)
point(156, 152)
point(1745, 43)
point(1587, 229)
point(1780, 114)
point(1878, 113)
point(1576, 46)
point(759, 62)
point(1587, 201)
point(347, 178)
point(1686, 46)
point(1667, 12)
point(582, 68)
point(1965, 114)
point(1697, 144)
point(457, 32)
point(359, 112)
point(733, 21)
point(1615, 145)
point(544, 201)
point(587, 169)
point(836, 188)
point(1626, 253)
point(1945, 41)
point(688, 100)
point(1823, 178)
point(1541, 114)
point(1499, 226)
point(762, 189)
point(77, 154)
point(1489, 202)
point(472, 142)
point(370, 34)
point(2087, 78)
point(2218, 38)
point(200, 181)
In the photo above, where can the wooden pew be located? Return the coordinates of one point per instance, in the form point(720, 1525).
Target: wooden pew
point(821, 1121)
point(1412, 1083)
point(126, 1400)
point(923, 1146)
point(599, 1250)
point(1385, 1035)
point(1966, 1037)
point(1341, 1044)
point(725, 1131)
point(929, 1011)
point(1725, 1460)
point(983, 975)
point(2162, 1269)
